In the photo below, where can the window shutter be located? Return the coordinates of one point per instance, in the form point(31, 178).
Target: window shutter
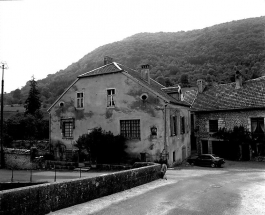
point(171, 125)
point(176, 117)
point(73, 123)
point(187, 123)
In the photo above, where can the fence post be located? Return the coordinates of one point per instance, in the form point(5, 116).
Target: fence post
point(54, 172)
point(12, 176)
point(80, 172)
point(31, 175)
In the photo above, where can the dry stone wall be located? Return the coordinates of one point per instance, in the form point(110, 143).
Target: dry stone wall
point(17, 159)
point(42, 199)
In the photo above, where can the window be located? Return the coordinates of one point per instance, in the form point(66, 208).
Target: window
point(174, 156)
point(257, 126)
point(130, 128)
point(182, 125)
point(79, 100)
point(110, 97)
point(213, 125)
point(173, 125)
point(67, 126)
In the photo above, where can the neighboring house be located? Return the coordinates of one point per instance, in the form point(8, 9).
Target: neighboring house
point(226, 106)
point(127, 102)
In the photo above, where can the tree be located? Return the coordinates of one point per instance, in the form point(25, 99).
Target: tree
point(32, 103)
point(17, 94)
point(184, 80)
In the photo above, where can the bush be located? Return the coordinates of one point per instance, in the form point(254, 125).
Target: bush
point(48, 156)
point(102, 146)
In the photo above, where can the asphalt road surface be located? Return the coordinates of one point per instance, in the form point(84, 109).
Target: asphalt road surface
point(236, 189)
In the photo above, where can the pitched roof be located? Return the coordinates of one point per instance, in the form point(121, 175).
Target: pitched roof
point(225, 97)
point(154, 85)
point(106, 69)
point(115, 68)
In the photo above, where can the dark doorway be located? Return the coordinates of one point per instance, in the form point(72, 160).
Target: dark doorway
point(204, 146)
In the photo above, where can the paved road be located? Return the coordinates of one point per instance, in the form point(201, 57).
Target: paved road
point(236, 189)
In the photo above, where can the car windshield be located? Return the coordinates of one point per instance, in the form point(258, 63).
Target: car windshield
point(215, 156)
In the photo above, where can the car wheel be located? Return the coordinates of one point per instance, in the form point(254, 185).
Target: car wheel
point(212, 165)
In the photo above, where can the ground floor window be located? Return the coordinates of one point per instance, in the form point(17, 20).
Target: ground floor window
point(130, 129)
point(67, 126)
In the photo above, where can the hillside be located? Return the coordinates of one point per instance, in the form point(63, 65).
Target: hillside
point(210, 53)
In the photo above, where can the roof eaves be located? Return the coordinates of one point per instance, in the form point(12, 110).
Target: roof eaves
point(162, 86)
point(232, 109)
point(183, 103)
point(62, 95)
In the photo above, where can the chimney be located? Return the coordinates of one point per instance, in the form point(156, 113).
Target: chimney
point(145, 73)
point(201, 85)
point(107, 60)
point(238, 79)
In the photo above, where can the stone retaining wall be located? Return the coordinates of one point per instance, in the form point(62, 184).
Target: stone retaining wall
point(42, 199)
point(18, 159)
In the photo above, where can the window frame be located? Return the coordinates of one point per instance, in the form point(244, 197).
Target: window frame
point(134, 133)
point(81, 98)
point(258, 120)
point(71, 123)
point(213, 129)
point(111, 96)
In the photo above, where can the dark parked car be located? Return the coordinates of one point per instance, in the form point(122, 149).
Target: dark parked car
point(206, 160)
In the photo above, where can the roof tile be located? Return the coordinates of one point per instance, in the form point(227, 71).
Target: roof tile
point(226, 97)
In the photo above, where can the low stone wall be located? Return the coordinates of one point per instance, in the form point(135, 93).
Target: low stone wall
point(17, 159)
point(42, 199)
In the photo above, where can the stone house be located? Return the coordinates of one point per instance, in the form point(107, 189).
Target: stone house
point(227, 105)
point(128, 102)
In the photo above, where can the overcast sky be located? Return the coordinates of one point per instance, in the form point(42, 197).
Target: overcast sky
point(42, 37)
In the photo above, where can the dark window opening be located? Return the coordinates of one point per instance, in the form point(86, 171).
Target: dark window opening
point(182, 125)
point(213, 125)
point(257, 126)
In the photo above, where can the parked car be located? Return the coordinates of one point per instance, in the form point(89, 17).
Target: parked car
point(206, 160)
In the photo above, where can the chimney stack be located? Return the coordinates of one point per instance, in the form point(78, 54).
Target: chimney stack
point(145, 73)
point(107, 60)
point(238, 79)
point(201, 85)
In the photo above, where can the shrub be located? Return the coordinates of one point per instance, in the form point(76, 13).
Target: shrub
point(103, 146)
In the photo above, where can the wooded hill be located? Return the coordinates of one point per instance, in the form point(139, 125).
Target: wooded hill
point(210, 53)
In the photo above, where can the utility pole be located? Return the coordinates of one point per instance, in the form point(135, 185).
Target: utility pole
point(3, 66)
